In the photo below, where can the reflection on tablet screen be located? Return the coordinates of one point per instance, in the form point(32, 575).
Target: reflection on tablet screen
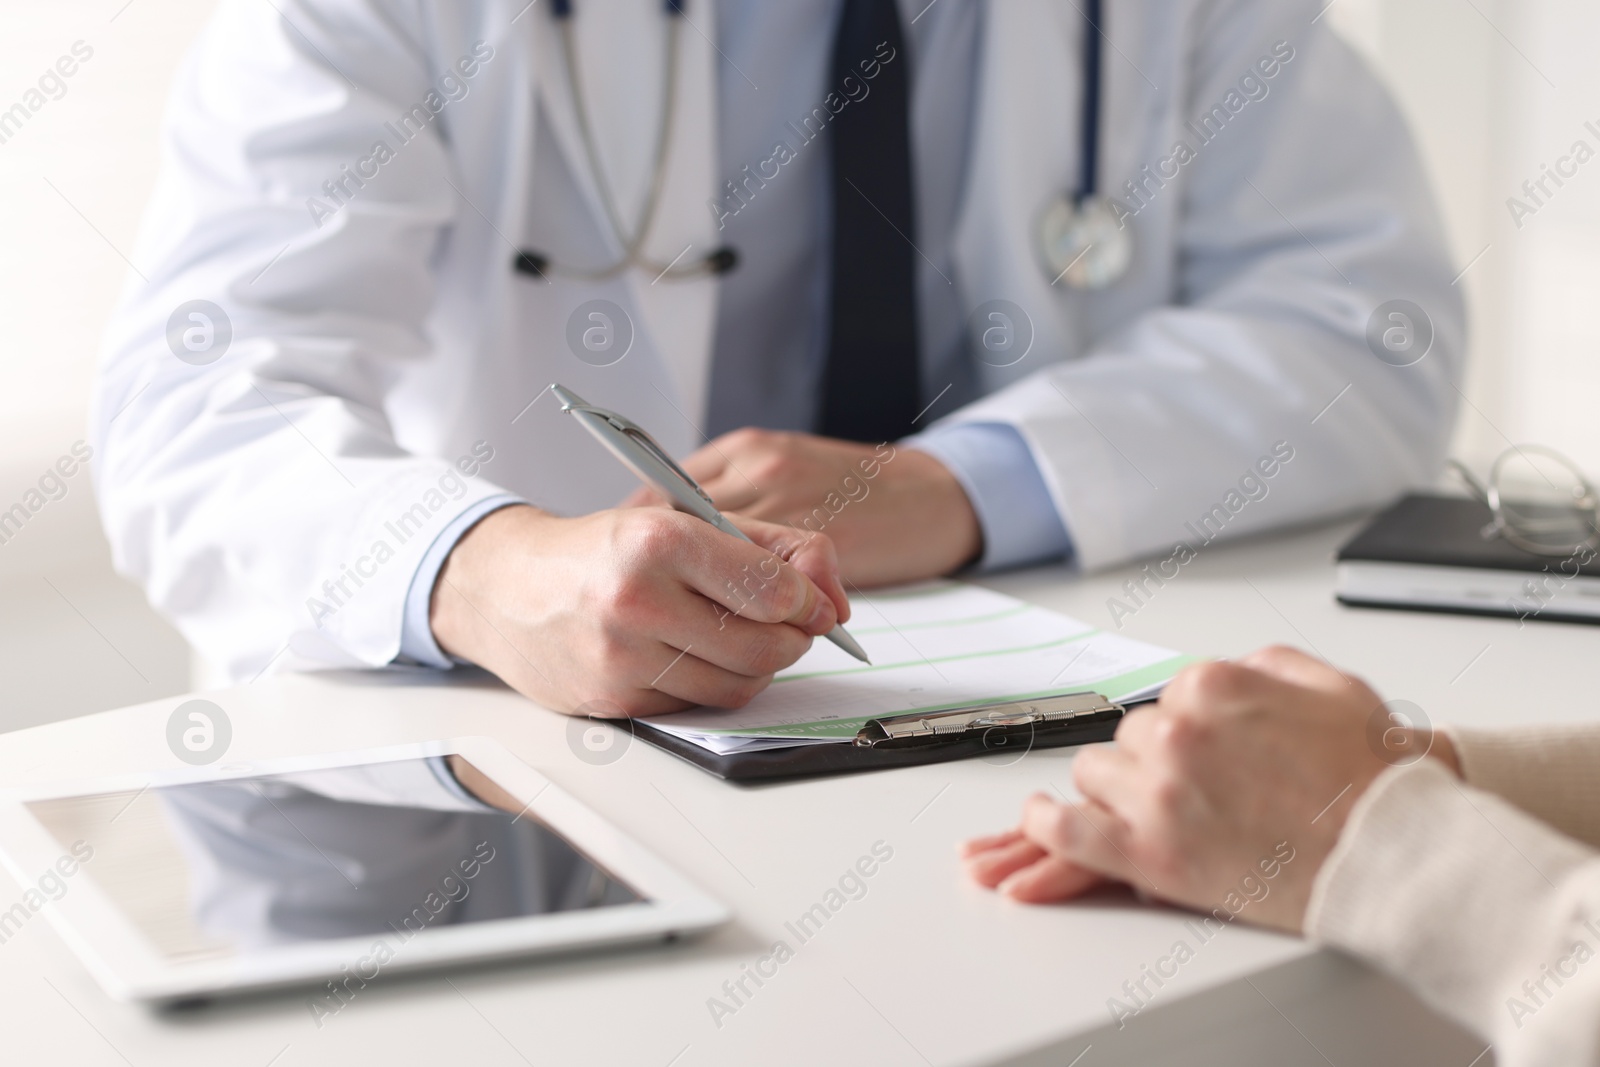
point(218, 868)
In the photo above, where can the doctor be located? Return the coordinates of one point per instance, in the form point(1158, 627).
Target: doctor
point(933, 285)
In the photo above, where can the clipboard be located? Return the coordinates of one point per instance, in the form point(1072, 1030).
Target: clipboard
point(1005, 731)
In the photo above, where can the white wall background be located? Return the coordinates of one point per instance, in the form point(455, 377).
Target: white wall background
point(73, 637)
point(1493, 89)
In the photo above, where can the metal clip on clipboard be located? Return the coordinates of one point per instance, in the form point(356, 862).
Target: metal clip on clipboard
point(922, 728)
point(913, 739)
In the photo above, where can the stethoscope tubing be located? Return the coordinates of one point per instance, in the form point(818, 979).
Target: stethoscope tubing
point(633, 247)
point(1083, 197)
point(1089, 156)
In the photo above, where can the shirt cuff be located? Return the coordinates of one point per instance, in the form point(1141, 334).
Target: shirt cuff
point(1002, 480)
point(416, 635)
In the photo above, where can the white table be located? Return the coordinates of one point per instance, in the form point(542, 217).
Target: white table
point(923, 969)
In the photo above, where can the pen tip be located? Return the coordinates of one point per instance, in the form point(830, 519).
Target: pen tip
point(839, 636)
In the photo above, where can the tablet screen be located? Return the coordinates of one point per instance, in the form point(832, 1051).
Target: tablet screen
point(213, 869)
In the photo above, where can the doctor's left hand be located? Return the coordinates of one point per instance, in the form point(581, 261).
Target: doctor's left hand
point(893, 514)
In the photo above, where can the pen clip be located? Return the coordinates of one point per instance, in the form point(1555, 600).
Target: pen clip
point(623, 424)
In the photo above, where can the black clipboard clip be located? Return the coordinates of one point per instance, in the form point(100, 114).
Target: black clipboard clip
point(1033, 717)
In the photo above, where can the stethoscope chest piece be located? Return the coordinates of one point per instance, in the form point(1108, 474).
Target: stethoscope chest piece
point(1084, 244)
point(1083, 240)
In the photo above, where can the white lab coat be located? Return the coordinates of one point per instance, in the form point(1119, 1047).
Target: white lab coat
point(371, 352)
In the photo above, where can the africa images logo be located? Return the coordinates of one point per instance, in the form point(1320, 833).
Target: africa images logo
point(199, 732)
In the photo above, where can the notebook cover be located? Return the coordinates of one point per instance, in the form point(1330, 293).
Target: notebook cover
point(1445, 531)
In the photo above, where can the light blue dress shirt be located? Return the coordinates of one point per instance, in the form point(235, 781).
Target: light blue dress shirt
point(771, 330)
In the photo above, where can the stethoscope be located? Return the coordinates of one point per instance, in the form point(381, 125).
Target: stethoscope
point(1081, 240)
point(537, 263)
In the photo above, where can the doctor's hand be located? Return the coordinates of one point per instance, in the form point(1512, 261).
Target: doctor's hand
point(633, 612)
point(1229, 793)
point(894, 514)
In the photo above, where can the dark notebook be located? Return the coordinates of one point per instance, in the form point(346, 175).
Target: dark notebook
point(1429, 552)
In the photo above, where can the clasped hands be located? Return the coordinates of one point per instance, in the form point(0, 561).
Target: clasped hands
point(1238, 766)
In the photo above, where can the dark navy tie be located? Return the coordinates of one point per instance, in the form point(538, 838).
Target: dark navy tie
point(870, 388)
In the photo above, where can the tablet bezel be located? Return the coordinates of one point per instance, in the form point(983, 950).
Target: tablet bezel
point(130, 967)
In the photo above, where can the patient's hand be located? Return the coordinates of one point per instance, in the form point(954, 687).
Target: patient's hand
point(1243, 770)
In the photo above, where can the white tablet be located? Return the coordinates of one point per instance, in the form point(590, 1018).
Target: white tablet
point(331, 871)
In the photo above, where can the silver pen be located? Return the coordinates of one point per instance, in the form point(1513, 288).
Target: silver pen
point(639, 452)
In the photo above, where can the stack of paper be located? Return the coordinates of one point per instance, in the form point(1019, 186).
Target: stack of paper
point(936, 646)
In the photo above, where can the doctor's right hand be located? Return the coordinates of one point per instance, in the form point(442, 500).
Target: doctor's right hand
point(645, 610)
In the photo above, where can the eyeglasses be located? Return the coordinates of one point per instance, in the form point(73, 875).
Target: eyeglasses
point(1541, 501)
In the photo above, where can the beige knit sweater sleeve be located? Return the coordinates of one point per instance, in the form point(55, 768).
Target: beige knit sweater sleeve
point(1550, 772)
point(1472, 895)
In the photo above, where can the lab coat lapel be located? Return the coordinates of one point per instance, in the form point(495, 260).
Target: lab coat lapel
point(1023, 153)
point(681, 314)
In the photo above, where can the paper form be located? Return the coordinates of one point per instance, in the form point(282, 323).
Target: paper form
point(934, 646)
